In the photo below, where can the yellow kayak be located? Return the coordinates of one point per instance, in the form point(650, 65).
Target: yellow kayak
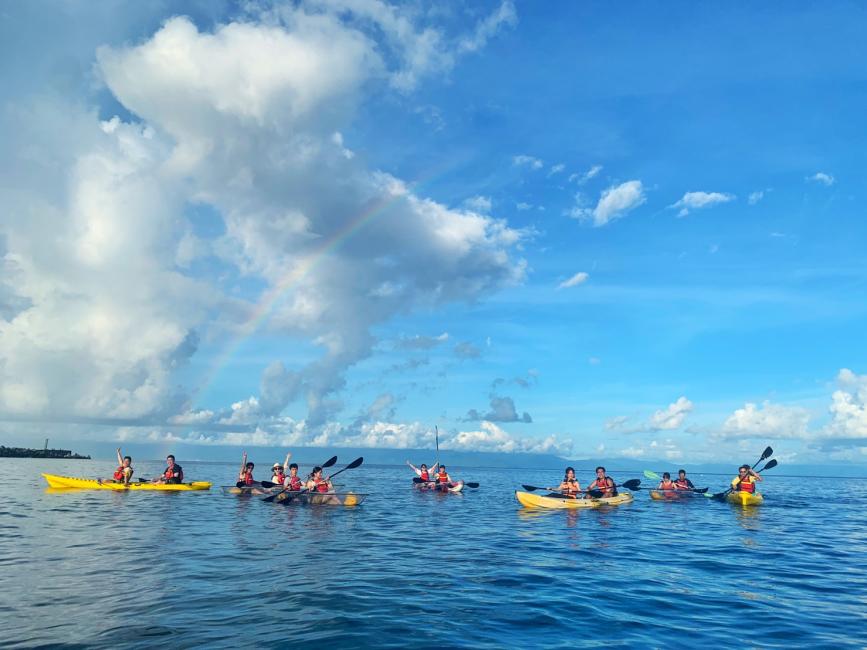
point(539, 501)
point(744, 498)
point(71, 483)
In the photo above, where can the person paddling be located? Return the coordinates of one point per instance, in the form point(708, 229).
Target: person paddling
point(443, 480)
point(746, 480)
point(569, 485)
point(293, 482)
point(321, 485)
point(683, 483)
point(123, 473)
point(423, 473)
point(602, 482)
point(173, 473)
point(666, 484)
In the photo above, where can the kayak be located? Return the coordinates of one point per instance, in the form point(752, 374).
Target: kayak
point(430, 487)
point(319, 499)
point(541, 501)
point(674, 495)
point(744, 498)
point(71, 483)
point(252, 490)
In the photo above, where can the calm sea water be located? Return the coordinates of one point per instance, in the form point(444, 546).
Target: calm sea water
point(100, 569)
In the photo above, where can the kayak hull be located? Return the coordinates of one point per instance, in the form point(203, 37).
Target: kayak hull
point(529, 500)
point(454, 488)
point(73, 483)
point(674, 495)
point(348, 499)
point(744, 498)
point(248, 491)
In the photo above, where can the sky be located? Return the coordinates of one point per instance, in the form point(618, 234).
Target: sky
point(589, 229)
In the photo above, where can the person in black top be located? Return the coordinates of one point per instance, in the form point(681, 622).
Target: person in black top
point(173, 472)
point(683, 483)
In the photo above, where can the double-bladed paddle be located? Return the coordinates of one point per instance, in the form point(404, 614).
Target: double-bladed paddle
point(356, 463)
point(328, 463)
point(767, 453)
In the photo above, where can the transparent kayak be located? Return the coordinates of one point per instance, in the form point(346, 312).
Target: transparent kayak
point(454, 488)
point(674, 495)
point(319, 499)
point(529, 500)
point(255, 490)
point(72, 483)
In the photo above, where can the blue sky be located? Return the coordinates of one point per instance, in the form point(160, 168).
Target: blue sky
point(603, 230)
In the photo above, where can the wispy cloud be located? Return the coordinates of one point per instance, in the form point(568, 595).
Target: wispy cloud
point(615, 202)
point(581, 179)
point(821, 177)
point(523, 160)
point(575, 280)
point(698, 200)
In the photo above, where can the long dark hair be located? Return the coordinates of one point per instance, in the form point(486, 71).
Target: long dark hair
point(566, 473)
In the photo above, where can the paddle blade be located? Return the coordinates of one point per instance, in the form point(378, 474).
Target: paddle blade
point(699, 490)
point(632, 484)
point(532, 488)
point(356, 463)
point(418, 479)
point(269, 484)
point(767, 453)
point(240, 484)
point(328, 463)
point(721, 496)
point(771, 463)
point(596, 494)
point(471, 485)
point(651, 475)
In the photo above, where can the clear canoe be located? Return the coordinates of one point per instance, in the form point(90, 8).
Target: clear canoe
point(319, 499)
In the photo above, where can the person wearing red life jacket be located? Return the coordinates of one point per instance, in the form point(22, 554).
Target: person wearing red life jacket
point(666, 484)
point(277, 475)
point(123, 473)
point(683, 483)
point(746, 480)
point(321, 486)
point(569, 485)
point(245, 476)
point(173, 473)
point(443, 480)
point(423, 473)
point(293, 482)
point(602, 482)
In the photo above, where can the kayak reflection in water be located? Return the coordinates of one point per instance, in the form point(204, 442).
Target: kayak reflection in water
point(123, 473)
point(321, 485)
point(423, 472)
point(746, 479)
point(173, 473)
point(666, 483)
point(569, 486)
point(683, 483)
point(603, 482)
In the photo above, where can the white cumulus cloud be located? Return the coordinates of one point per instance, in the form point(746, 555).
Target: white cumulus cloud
point(821, 177)
point(614, 203)
point(579, 278)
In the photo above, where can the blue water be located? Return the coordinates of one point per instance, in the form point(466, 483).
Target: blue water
point(100, 569)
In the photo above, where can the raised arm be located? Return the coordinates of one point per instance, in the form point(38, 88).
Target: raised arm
point(414, 468)
point(243, 463)
point(286, 462)
point(119, 458)
point(756, 476)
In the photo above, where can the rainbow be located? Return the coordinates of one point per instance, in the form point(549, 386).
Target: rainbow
point(270, 298)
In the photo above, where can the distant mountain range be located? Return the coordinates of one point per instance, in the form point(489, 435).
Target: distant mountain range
point(265, 456)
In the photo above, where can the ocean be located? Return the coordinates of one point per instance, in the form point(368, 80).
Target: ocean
point(99, 569)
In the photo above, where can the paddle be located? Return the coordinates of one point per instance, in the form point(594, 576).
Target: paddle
point(657, 477)
point(631, 484)
point(328, 463)
point(720, 496)
point(471, 484)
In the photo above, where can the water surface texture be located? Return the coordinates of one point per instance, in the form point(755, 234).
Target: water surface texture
point(139, 569)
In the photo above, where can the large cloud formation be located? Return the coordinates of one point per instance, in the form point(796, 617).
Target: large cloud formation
point(109, 280)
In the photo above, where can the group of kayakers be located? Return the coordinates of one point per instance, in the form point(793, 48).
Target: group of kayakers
point(290, 481)
point(173, 473)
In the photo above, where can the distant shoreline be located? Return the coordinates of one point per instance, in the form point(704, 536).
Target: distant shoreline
point(22, 452)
